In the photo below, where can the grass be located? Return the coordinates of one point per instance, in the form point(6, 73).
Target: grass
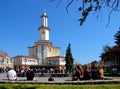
point(55, 86)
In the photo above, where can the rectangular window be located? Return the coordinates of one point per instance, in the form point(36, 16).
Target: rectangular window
point(36, 50)
point(50, 50)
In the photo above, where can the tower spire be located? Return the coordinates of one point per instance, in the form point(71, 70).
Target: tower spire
point(44, 18)
point(43, 29)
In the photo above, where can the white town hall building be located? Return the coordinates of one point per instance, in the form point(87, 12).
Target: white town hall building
point(42, 53)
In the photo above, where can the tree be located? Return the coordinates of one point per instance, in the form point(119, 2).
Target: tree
point(106, 48)
point(117, 37)
point(69, 59)
point(111, 55)
point(88, 6)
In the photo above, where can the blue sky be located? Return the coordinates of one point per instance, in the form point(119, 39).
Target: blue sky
point(20, 19)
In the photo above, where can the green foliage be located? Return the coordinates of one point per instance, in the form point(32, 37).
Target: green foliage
point(17, 86)
point(117, 37)
point(69, 59)
point(112, 54)
point(55, 86)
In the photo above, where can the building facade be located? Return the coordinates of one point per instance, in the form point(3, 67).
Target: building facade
point(56, 62)
point(43, 50)
point(5, 61)
point(23, 62)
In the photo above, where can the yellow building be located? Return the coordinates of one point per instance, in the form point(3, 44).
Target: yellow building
point(43, 50)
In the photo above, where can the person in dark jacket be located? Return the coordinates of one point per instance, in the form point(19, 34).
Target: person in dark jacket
point(87, 74)
point(94, 72)
point(30, 74)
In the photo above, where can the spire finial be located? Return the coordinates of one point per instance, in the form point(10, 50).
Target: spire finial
point(44, 13)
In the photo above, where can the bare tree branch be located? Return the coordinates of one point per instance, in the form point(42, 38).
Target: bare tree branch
point(109, 17)
point(69, 5)
point(59, 3)
point(88, 6)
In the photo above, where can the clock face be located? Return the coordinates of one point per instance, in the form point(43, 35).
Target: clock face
point(43, 32)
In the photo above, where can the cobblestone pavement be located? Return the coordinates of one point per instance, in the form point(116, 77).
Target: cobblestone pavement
point(58, 80)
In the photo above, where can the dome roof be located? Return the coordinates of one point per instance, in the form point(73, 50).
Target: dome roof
point(3, 54)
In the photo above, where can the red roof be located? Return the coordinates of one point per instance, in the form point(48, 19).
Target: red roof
point(3, 54)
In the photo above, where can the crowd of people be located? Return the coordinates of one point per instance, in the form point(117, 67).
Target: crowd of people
point(12, 75)
point(88, 73)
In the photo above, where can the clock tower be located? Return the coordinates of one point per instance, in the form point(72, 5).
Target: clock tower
point(43, 48)
point(43, 29)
